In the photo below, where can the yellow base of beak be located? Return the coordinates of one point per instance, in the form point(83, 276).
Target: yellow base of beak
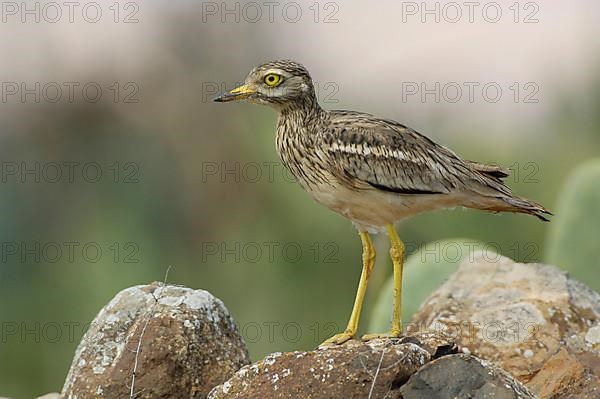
point(239, 93)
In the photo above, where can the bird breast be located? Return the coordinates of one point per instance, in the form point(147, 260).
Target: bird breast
point(300, 152)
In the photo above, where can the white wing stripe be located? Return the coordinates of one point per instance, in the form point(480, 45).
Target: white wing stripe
point(380, 151)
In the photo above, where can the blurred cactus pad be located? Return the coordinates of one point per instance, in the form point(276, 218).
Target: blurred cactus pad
point(574, 236)
point(424, 271)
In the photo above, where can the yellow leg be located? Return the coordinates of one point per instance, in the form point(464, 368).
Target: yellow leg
point(368, 263)
point(397, 255)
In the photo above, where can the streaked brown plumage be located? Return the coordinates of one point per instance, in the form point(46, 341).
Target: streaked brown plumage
point(373, 171)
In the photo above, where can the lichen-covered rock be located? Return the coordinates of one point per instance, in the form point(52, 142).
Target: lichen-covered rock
point(462, 377)
point(516, 315)
point(353, 370)
point(188, 343)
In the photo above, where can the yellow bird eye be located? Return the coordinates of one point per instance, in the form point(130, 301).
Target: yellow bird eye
point(272, 80)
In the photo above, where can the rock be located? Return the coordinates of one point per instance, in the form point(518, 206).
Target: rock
point(519, 316)
point(568, 375)
point(593, 336)
point(463, 376)
point(353, 370)
point(188, 344)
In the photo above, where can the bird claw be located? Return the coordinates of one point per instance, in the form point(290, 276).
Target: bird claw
point(388, 335)
point(338, 339)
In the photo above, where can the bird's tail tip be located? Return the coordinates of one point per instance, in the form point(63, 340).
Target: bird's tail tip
point(524, 205)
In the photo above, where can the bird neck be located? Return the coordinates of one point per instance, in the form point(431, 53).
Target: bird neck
point(303, 110)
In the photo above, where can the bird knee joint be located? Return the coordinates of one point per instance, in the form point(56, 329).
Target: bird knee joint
point(369, 255)
point(397, 252)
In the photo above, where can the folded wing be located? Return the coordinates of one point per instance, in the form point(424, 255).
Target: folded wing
point(383, 154)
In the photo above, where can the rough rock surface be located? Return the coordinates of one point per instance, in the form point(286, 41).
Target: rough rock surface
point(521, 316)
point(568, 375)
point(356, 369)
point(188, 344)
point(463, 376)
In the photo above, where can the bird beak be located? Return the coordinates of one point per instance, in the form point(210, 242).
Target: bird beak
point(239, 93)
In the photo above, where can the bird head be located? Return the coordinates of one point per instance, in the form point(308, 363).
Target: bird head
point(276, 83)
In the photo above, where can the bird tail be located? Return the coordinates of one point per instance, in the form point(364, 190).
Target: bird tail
point(506, 202)
point(524, 205)
point(501, 198)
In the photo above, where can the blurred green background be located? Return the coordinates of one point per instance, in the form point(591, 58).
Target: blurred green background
point(198, 186)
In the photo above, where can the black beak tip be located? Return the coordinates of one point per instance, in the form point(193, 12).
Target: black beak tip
point(218, 99)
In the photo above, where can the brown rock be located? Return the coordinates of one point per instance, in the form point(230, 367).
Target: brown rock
point(568, 375)
point(463, 376)
point(516, 315)
point(188, 344)
point(353, 370)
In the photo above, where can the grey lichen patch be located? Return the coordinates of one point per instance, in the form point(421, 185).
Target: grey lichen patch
point(592, 337)
point(503, 325)
point(583, 297)
point(269, 360)
point(179, 298)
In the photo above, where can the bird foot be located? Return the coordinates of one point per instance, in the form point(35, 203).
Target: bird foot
point(338, 339)
point(391, 334)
